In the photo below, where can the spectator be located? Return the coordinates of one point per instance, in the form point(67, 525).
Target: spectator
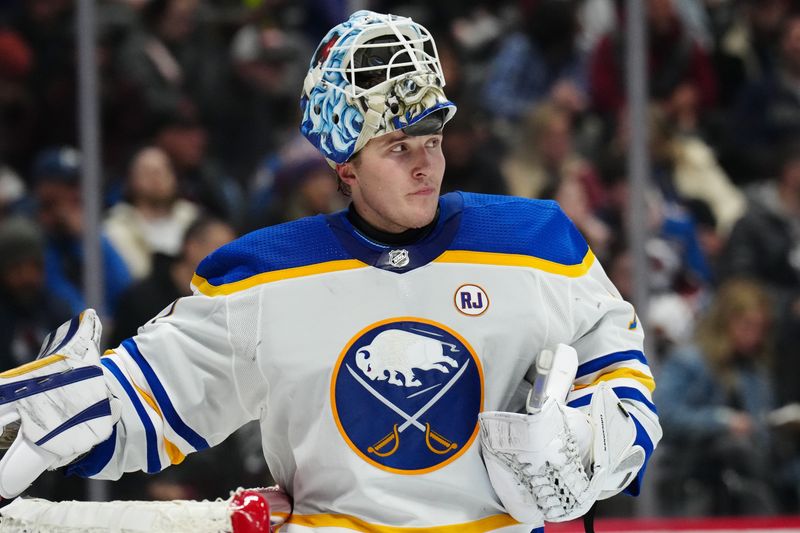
point(685, 168)
point(56, 175)
point(13, 192)
point(170, 278)
point(712, 241)
point(544, 155)
point(668, 217)
point(184, 138)
point(18, 109)
point(749, 48)
point(46, 111)
point(152, 219)
point(173, 63)
point(28, 312)
point(473, 162)
point(771, 110)
point(681, 76)
point(713, 398)
point(539, 62)
point(268, 64)
point(302, 188)
point(764, 244)
point(269, 184)
point(544, 164)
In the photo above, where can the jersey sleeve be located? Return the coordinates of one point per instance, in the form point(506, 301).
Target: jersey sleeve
point(590, 315)
point(185, 382)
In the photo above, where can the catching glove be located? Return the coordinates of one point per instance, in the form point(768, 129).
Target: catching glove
point(553, 465)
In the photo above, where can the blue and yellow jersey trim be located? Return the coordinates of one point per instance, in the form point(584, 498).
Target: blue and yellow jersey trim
point(489, 523)
point(209, 289)
point(159, 402)
point(472, 229)
point(451, 256)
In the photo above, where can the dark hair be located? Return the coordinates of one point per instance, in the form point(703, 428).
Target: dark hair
point(200, 226)
point(153, 11)
point(20, 240)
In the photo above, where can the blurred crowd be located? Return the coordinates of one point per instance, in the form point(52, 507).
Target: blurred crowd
point(200, 143)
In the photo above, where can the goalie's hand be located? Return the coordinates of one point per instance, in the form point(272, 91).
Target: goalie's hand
point(58, 405)
point(555, 464)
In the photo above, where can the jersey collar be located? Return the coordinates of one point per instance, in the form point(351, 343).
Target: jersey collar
point(401, 258)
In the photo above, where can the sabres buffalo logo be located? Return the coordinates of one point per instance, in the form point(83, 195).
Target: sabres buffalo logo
point(406, 394)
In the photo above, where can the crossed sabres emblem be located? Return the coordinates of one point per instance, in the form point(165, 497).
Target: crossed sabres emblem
point(392, 439)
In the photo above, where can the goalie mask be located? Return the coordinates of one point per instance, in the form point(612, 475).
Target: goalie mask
point(372, 75)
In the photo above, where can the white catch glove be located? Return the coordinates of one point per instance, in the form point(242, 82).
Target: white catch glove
point(59, 405)
point(538, 464)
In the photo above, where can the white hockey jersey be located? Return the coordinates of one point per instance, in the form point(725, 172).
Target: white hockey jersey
point(367, 365)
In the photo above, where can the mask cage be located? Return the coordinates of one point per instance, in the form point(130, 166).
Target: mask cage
point(411, 49)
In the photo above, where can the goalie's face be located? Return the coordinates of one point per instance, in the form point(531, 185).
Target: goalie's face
point(395, 180)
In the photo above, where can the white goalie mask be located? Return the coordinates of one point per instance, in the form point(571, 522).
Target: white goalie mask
point(372, 75)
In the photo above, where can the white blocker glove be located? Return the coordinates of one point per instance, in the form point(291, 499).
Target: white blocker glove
point(553, 465)
point(55, 408)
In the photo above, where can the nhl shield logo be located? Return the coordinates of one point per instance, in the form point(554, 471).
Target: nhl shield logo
point(399, 258)
point(406, 394)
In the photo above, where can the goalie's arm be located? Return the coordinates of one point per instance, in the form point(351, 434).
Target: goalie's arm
point(555, 463)
point(605, 332)
point(183, 386)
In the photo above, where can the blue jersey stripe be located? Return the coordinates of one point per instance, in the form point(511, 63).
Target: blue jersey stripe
point(580, 402)
point(162, 398)
point(602, 362)
point(629, 393)
point(100, 409)
point(153, 461)
point(94, 461)
point(643, 440)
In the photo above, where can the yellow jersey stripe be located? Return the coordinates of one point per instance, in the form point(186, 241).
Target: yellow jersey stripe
point(174, 454)
point(33, 365)
point(628, 373)
point(205, 287)
point(518, 260)
point(351, 522)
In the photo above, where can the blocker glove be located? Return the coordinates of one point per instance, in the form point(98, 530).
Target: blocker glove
point(56, 408)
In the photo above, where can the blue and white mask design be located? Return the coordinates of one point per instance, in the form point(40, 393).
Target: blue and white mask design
point(371, 75)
